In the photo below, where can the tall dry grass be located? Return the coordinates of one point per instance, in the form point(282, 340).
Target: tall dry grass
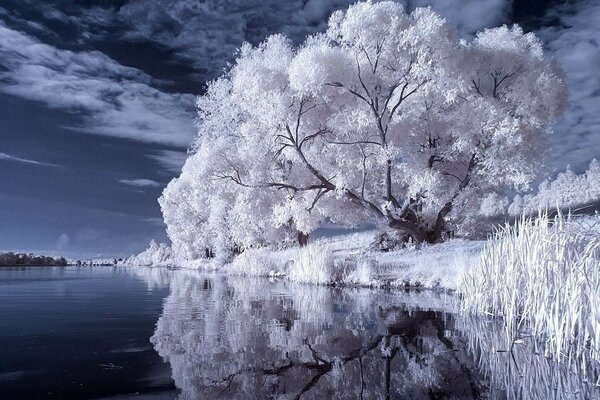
point(313, 263)
point(542, 277)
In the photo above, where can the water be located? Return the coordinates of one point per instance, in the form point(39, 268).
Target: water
point(76, 333)
point(154, 333)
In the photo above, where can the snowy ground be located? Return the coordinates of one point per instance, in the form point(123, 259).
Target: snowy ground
point(346, 260)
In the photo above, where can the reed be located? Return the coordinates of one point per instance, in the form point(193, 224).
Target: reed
point(541, 276)
point(313, 263)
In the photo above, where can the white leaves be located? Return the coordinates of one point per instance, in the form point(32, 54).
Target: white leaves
point(493, 204)
point(291, 137)
point(366, 24)
point(317, 64)
point(503, 40)
point(566, 190)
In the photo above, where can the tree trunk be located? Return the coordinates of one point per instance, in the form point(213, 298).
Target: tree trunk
point(302, 239)
point(440, 223)
point(410, 228)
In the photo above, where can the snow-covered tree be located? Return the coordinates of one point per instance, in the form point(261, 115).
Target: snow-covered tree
point(387, 116)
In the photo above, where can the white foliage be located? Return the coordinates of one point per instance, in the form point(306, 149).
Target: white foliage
point(493, 204)
point(366, 121)
point(343, 260)
point(567, 190)
point(363, 275)
point(155, 255)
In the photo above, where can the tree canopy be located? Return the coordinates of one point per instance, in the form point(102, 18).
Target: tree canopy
point(387, 116)
point(15, 259)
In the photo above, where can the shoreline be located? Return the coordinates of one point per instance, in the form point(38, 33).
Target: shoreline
point(346, 261)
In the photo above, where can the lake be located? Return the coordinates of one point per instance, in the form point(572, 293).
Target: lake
point(144, 333)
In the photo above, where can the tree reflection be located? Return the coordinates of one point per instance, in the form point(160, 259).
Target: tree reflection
point(244, 338)
point(255, 339)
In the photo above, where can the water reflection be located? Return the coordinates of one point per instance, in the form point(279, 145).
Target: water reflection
point(236, 338)
point(518, 369)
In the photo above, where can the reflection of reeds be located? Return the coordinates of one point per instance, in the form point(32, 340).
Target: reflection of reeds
point(542, 276)
point(516, 369)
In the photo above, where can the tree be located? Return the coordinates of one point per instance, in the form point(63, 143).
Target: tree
point(567, 191)
point(386, 116)
point(155, 254)
point(12, 259)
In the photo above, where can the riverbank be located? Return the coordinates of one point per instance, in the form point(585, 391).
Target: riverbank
point(347, 260)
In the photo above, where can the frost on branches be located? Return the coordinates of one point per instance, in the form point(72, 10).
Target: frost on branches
point(387, 116)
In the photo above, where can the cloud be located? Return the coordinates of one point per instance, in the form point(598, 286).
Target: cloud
point(575, 44)
point(171, 160)
point(207, 34)
point(141, 182)
point(78, 22)
point(155, 221)
point(120, 101)
point(8, 157)
point(112, 99)
point(469, 16)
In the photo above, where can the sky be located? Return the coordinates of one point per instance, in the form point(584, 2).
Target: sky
point(97, 101)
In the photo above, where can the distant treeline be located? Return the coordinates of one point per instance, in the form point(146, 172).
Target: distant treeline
point(29, 259)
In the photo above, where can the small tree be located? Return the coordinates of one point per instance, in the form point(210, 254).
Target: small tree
point(386, 116)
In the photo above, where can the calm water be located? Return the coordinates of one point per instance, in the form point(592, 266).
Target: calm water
point(153, 333)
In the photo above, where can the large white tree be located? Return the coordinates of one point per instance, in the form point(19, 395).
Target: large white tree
point(387, 116)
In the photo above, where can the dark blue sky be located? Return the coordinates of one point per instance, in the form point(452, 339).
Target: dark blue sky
point(96, 101)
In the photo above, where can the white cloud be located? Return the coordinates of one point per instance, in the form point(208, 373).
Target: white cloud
point(113, 99)
point(141, 182)
point(155, 221)
point(171, 160)
point(576, 45)
point(8, 157)
point(469, 16)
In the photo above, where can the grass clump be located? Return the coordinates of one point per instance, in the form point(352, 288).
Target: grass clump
point(542, 277)
point(313, 264)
